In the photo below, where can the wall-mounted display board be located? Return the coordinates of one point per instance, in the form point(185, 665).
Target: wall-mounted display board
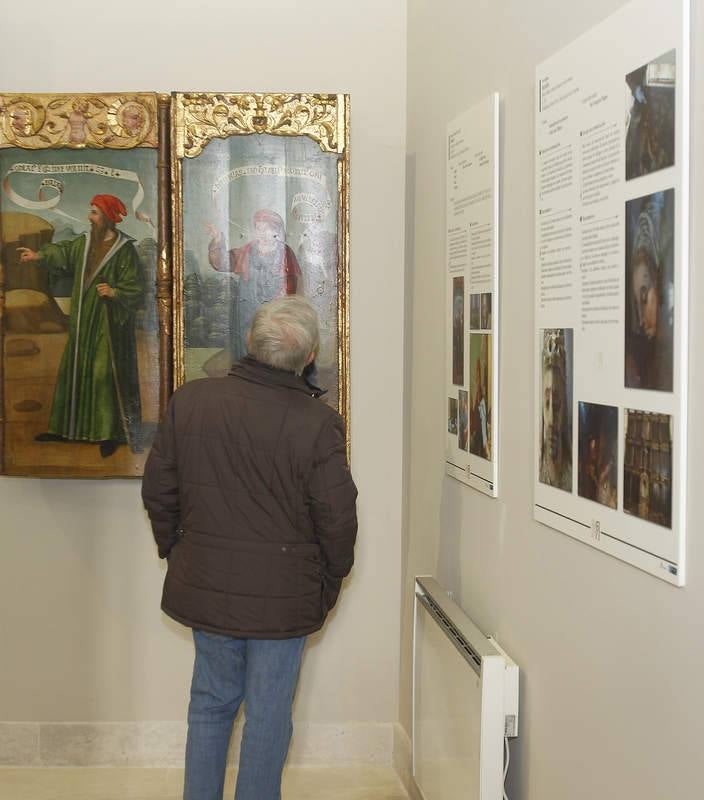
point(472, 275)
point(611, 239)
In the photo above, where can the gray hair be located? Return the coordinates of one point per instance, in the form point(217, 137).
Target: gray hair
point(284, 333)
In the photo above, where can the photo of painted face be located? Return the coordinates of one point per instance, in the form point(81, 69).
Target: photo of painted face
point(486, 311)
point(598, 453)
point(475, 312)
point(462, 434)
point(647, 466)
point(480, 417)
point(458, 331)
point(650, 116)
point(650, 292)
point(452, 415)
point(555, 468)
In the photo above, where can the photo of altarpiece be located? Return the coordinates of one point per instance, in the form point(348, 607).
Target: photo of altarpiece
point(85, 286)
point(260, 211)
point(97, 324)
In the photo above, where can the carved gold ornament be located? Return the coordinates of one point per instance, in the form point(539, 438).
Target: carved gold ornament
point(201, 117)
point(39, 122)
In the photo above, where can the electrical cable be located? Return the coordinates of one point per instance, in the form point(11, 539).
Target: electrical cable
point(507, 759)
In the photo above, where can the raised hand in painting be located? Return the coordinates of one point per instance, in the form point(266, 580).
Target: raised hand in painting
point(105, 290)
point(27, 255)
point(216, 235)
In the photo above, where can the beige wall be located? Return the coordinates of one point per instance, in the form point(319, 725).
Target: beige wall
point(612, 659)
point(81, 634)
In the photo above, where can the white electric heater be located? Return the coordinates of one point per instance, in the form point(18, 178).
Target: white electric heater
point(465, 701)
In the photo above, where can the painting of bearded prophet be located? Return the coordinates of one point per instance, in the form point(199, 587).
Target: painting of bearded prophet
point(85, 363)
point(260, 211)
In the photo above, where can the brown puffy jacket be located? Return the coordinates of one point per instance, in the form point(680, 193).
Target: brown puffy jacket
point(252, 503)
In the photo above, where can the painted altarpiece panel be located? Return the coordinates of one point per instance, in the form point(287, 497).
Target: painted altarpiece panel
point(85, 287)
point(260, 210)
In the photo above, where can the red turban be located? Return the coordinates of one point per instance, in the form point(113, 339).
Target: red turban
point(113, 208)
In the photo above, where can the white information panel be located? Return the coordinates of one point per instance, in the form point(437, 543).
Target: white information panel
point(611, 239)
point(472, 260)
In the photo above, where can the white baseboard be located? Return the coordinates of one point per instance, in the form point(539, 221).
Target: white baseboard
point(162, 744)
point(403, 761)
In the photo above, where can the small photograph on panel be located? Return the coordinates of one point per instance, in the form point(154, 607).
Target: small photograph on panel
point(452, 415)
point(650, 117)
point(480, 395)
point(650, 292)
point(475, 320)
point(486, 312)
point(462, 421)
point(556, 408)
point(597, 477)
point(458, 331)
point(647, 466)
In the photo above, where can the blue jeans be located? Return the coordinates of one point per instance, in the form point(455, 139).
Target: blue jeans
point(261, 672)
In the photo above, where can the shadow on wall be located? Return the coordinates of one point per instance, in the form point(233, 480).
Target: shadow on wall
point(470, 550)
point(449, 561)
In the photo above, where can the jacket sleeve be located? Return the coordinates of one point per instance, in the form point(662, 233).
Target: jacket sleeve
point(59, 255)
point(160, 491)
point(332, 503)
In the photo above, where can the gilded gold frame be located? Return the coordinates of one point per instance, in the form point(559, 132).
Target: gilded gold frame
point(197, 118)
point(79, 121)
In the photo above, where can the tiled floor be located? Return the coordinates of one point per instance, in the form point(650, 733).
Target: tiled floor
point(300, 783)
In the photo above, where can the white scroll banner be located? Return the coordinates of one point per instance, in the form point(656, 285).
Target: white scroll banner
point(57, 186)
point(319, 207)
point(306, 207)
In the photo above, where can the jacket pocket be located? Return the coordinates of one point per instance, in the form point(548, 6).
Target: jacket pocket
point(253, 569)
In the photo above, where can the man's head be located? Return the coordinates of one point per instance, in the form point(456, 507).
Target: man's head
point(106, 211)
point(553, 411)
point(269, 229)
point(284, 334)
point(132, 118)
point(21, 120)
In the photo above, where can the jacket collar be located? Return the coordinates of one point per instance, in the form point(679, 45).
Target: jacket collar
point(249, 369)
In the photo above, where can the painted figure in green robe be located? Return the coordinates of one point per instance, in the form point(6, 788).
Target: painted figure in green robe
point(97, 390)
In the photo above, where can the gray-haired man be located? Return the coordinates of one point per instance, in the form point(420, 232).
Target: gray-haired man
point(252, 503)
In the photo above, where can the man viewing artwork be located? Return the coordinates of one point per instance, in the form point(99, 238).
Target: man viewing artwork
point(253, 505)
